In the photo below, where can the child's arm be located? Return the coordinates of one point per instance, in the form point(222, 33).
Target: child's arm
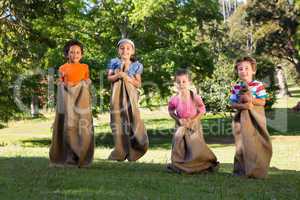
point(135, 81)
point(249, 105)
point(242, 106)
point(174, 116)
point(87, 76)
point(112, 77)
point(61, 77)
point(200, 108)
point(197, 117)
point(258, 102)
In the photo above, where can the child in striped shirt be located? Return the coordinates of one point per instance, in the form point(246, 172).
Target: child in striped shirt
point(253, 145)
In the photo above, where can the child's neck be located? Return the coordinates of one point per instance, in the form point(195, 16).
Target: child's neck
point(126, 63)
point(246, 81)
point(70, 62)
point(184, 94)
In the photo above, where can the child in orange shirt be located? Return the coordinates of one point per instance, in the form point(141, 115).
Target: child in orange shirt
point(73, 71)
point(73, 134)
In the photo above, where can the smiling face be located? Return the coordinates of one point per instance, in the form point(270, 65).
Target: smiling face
point(74, 54)
point(125, 51)
point(245, 71)
point(182, 82)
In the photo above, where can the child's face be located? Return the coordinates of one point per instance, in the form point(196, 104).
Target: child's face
point(74, 54)
point(245, 71)
point(182, 82)
point(125, 51)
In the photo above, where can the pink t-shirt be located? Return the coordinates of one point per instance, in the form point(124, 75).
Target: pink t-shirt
point(186, 109)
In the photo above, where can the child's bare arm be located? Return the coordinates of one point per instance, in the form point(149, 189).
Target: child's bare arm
point(197, 117)
point(112, 77)
point(88, 81)
point(242, 106)
point(248, 105)
point(258, 102)
point(174, 116)
point(135, 81)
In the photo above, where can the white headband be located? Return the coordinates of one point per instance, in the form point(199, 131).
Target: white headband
point(125, 40)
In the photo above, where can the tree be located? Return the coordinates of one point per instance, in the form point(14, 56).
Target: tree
point(22, 45)
point(168, 34)
point(275, 24)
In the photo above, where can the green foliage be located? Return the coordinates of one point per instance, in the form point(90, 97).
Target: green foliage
point(168, 35)
point(275, 24)
point(215, 90)
point(266, 74)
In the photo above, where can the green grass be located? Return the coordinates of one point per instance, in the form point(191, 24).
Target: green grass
point(24, 171)
point(24, 174)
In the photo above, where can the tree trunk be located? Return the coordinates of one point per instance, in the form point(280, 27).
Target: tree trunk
point(282, 83)
point(34, 107)
point(224, 10)
point(296, 62)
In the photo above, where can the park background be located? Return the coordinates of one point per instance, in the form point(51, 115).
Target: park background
point(205, 36)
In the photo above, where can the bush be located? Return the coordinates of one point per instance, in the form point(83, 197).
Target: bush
point(215, 90)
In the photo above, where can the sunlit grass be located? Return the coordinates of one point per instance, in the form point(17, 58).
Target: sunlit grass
point(25, 174)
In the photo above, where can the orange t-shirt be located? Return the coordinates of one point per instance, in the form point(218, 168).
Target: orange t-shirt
point(72, 74)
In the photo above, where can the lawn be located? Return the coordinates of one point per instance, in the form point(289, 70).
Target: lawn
point(24, 171)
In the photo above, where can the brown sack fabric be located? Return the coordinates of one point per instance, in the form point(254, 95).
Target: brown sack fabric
point(130, 136)
point(73, 134)
point(253, 144)
point(190, 153)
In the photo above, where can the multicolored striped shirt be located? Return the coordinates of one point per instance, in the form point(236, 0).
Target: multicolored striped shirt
point(256, 88)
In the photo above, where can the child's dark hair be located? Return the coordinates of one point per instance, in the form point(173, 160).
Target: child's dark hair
point(185, 72)
point(249, 59)
point(72, 43)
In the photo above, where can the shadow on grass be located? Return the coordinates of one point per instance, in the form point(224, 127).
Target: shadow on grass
point(281, 121)
point(161, 138)
point(31, 178)
point(296, 93)
point(2, 126)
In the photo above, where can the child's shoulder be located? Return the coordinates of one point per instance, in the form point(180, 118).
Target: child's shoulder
point(136, 67)
point(256, 83)
point(84, 65)
point(114, 62)
point(137, 62)
point(197, 96)
point(63, 66)
point(174, 98)
point(173, 101)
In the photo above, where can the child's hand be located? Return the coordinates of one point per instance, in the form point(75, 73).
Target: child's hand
point(88, 81)
point(189, 123)
point(182, 122)
point(60, 82)
point(245, 94)
point(186, 122)
point(246, 98)
point(122, 75)
point(248, 106)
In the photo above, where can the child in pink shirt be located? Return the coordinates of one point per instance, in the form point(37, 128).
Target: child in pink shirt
point(187, 108)
point(190, 153)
